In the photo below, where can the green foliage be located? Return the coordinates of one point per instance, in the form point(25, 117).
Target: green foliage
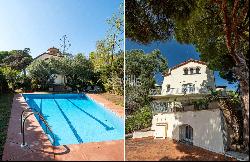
point(201, 104)
point(114, 36)
point(3, 54)
point(205, 30)
point(148, 20)
point(18, 59)
point(11, 76)
point(140, 119)
point(24, 83)
point(108, 58)
point(77, 70)
point(232, 98)
point(108, 68)
point(3, 83)
point(5, 111)
point(11, 62)
point(41, 72)
point(141, 68)
point(195, 22)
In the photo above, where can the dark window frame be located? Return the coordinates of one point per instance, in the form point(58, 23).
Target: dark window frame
point(185, 71)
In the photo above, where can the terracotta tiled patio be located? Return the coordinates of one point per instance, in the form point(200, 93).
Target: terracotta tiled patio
point(40, 148)
point(149, 149)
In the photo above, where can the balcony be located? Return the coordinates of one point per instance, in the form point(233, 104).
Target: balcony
point(178, 91)
point(154, 92)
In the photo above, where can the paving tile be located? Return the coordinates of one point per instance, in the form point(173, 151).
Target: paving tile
point(166, 150)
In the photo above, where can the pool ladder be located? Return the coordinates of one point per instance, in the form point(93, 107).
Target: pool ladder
point(23, 119)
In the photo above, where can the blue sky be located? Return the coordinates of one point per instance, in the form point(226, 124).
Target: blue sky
point(175, 53)
point(39, 24)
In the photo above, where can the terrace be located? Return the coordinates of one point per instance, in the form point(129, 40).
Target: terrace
point(168, 150)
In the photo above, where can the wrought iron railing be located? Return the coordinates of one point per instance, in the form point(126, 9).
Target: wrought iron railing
point(155, 92)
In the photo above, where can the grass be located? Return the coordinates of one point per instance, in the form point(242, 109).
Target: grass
point(116, 99)
point(5, 109)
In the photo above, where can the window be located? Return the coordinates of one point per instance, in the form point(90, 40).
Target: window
point(186, 71)
point(188, 88)
point(186, 133)
point(191, 88)
point(191, 70)
point(189, 133)
point(197, 70)
point(168, 87)
point(184, 88)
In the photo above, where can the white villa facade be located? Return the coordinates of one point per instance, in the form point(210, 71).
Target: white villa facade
point(177, 118)
point(192, 76)
point(53, 53)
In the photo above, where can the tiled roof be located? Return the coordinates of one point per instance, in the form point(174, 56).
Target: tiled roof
point(51, 51)
point(181, 64)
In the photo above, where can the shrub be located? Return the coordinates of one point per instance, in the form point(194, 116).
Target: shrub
point(11, 76)
point(3, 83)
point(140, 119)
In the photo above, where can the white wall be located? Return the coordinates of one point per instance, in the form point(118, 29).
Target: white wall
point(206, 126)
point(59, 79)
point(177, 79)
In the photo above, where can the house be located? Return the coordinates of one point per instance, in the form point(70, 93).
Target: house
point(190, 77)
point(56, 54)
point(176, 115)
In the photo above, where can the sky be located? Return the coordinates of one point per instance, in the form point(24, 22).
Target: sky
point(39, 24)
point(175, 53)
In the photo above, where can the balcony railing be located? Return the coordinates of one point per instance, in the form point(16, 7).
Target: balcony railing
point(183, 91)
point(166, 107)
point(155, 92)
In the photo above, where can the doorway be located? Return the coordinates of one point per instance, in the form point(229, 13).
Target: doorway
point(186, 134)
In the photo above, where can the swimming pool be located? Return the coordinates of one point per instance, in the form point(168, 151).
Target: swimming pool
point(75, 118)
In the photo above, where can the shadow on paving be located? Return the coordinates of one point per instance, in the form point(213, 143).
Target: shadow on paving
point(168, 150)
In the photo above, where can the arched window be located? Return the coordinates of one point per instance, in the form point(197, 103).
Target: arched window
point(168, 87)
point(186, 133)
point(197, 70)
point(191, 70)
point(185, 71)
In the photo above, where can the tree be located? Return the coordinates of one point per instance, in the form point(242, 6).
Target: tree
point(3, 82)
point(141, 68)
point(3, 54)
point(18, 59)
point(77, 70)
point(11, 76)
point(41, 73)
point(148, 20)
point(108, 58)
point(110, 75)
point(217, 29)
point(114, 36)
point(65, 44)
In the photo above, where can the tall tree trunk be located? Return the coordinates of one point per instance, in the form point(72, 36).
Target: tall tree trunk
point(231, 22)
point(245, 98)
point(242, 72)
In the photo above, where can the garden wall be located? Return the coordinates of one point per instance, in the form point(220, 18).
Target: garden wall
point(207, 127)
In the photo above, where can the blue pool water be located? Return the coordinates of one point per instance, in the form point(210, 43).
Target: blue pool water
point(76, 118)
